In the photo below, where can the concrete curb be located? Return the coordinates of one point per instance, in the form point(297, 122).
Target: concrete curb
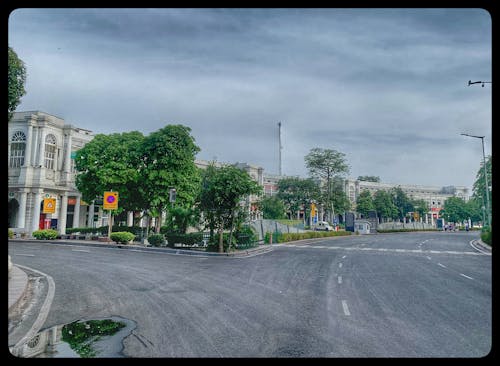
point(242, 253)
point(483, 245)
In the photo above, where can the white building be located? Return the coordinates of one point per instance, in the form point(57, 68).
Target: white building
point(41, 148)
point(433, 196)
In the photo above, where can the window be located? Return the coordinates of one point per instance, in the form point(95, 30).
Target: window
point(50, 151)
point(17, 149)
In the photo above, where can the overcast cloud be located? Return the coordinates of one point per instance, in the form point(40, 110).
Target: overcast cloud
point(387, 87)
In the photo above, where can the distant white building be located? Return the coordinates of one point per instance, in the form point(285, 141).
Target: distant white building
point(41, 148)
point(433, 196)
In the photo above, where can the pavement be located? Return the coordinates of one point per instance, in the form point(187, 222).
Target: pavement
point(18, 278)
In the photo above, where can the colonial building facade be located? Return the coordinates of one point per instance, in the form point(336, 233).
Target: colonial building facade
point(433, 196)
point(41, 149)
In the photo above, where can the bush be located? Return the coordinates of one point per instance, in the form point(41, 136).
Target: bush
point(122, 237)
point(157, 240)
point(11, 234)
point(486, 235)
point(245, 235)
point(45, 234)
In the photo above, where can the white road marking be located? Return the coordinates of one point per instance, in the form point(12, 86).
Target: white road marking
point(344, 256)
point(26, 255)
point(429, 258)
point(80, 250)
point(340, 265)
point(470, 278)
point(441, 265)
point(340, 279)
point(345, 307)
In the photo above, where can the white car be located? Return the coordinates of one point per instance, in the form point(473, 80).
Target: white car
point(323, 226)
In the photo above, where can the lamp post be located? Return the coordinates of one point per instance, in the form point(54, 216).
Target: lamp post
point(478, 82)
point(485, 178)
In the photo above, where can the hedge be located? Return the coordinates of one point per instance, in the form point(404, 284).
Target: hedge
point(122, 237)
point(45, 234)
point(486, 235)
point(11, 234)
point(157, 240)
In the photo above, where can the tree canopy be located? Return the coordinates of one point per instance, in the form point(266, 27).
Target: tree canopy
point(222, 190)
point(16, 81)
point(364, 203)
point(325, 164)
point(297, 193)
point(369, 178)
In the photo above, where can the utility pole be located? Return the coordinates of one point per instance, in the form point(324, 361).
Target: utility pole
point(280, 147)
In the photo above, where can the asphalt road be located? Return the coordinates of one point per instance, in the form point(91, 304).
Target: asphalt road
point(385, 295)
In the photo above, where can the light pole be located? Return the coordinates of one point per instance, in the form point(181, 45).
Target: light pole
point(485, 178)
point(478, 82)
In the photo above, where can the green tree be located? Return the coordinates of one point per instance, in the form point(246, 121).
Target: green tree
point(340, 200)
point(369, 178)
point(325, 164)
point(364, 203)
point(455, 210)
point(401, 201)
point(221, 195)
point(180, 218)
point(16, 81)
point(272, 208)
point(168, 162)
point(111, 162)
point(420, 206)
point(479, 187)
point(384, 205)
point(297, 193)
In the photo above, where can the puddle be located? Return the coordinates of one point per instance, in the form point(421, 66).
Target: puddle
point(93, 338)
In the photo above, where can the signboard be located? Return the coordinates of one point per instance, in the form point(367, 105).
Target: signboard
point(73, 155)
point(110, 201)
point(49, 205)
point(313, 209)
point(71, 201)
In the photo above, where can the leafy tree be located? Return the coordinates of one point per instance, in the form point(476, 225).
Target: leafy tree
point(364, 203)
point(272, 208)
point(296, 193)
point(478, 189)
point(455, 210)
point(369, 178)
point(168, 162)
point(180, 218)
point(111, 162)
point(222, 190)
point(326, 164)
point(420, 206)
point(340, 200)
point(385, 207)
point(17, 81)
point(401, 201)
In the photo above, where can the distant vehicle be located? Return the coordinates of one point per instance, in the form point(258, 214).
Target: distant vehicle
point(323, 226)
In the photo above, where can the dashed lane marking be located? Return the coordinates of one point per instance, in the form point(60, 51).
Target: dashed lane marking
point(345, 307)
point(470, 278)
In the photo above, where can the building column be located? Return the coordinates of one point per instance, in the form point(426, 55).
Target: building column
point(90, 219)
point(29, 138)
point(67, 160)
point(62, 214)
point(36, 209)
point(21, 215)
point(130, 218)
point(76, 214)
point(41, 154)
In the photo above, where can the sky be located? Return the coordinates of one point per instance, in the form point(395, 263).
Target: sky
point(386, 87)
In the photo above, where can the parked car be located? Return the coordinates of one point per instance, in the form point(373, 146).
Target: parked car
point(323, 226)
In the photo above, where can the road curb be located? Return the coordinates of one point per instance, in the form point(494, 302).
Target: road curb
point(243, 253)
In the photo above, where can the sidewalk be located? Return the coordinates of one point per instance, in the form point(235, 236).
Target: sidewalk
point(18, 281)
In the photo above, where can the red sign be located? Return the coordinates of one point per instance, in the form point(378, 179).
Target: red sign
point(436, 209)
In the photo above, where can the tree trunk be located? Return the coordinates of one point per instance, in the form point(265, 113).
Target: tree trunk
point(231, 231)
point(221, 241)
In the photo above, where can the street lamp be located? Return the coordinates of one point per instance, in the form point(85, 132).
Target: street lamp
point(485, 178)
point(479, 82)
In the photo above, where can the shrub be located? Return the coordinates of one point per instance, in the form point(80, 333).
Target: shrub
point(245, 235)
point(11, 234)
point(45, 234)
point(486, 235)
point(157, 240)
point(188, 239)
point(122, 237)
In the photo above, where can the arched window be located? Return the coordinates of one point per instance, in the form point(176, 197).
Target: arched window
point(50, 151)
point(17, 149)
